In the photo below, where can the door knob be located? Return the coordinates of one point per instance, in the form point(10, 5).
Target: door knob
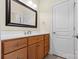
point(54, 32)
point(76, 36)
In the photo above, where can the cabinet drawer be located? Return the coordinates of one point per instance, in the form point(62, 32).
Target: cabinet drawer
point(32, 40)
point(9, 46)
point(22, 42)
point(40, 38)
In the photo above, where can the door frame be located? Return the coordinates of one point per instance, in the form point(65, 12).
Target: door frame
point(75, 23)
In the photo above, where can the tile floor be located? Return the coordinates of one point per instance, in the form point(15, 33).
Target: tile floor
point(53, 57)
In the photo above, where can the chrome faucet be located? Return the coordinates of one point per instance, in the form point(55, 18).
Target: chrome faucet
point(24, 33)
point(28, 32)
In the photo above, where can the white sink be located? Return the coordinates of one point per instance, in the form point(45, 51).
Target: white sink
point(16, 34)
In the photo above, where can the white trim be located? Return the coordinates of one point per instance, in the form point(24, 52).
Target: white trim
point(59, 2)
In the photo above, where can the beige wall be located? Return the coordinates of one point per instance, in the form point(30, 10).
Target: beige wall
point(2, 18)
point(0, 49)
point(45, 15)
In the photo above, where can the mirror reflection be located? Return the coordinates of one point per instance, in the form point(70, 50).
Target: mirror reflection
point(22, 14)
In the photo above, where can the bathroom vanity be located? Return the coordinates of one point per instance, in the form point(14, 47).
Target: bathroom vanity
point(30, 47)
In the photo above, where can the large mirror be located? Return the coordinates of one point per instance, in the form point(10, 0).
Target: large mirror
point(19, 14)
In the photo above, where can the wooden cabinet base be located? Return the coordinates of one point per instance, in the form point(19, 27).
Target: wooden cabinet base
point(33, 47)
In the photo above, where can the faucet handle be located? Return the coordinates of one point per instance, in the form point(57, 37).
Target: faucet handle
point(28, 32)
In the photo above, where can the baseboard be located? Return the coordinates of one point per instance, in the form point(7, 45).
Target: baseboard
point(59, 56)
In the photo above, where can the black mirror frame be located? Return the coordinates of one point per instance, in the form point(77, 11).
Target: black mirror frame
point(8, 15)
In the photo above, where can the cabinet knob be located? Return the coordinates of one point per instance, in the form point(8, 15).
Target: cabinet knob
point(54, 32)
point(76, 36)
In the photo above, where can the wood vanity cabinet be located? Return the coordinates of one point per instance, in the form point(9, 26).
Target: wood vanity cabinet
point(33, 47)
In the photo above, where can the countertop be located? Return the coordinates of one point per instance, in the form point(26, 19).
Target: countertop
point(13, 35)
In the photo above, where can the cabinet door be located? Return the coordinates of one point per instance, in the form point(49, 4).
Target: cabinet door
point(32, 51)
point(9, 46)
point(22, 53)
point(12, 55)
point(46, 44)
point(40, 50)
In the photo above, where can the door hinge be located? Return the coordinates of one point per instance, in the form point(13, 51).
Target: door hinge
point(75, 4)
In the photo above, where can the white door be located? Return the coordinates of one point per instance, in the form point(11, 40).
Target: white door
point(63, 29)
